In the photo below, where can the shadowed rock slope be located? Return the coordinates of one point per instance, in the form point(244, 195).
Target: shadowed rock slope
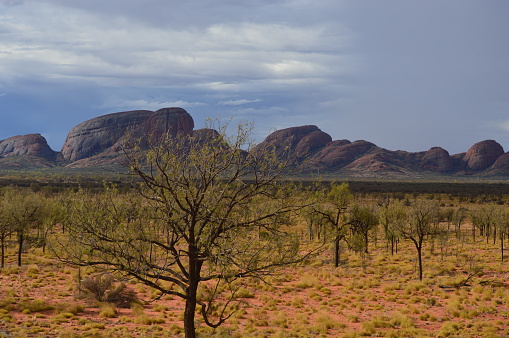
point(97, 143)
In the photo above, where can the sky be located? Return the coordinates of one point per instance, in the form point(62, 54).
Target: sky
point(403, 74)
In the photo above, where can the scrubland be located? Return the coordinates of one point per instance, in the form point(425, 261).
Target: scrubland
point(463, 293)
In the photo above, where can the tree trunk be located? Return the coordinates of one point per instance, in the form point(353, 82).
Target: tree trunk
point(195, 265)
point(419, 258)
point(3, 251)
point(189, 312)
point(20, 246)
point(336, 252)
point(366, 239)
point(502, 246)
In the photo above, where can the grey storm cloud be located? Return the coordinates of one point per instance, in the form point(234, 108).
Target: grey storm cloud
point(402, 74)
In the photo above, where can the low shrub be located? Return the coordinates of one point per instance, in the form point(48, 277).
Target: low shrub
point(37, 305)
point(104, 289)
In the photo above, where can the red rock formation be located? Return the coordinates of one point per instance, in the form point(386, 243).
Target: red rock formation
point(99, 142)
point(168, 120)
point(97, 135)
point(482, 155)
point(31, 144)
point(295, 142)
point(337, 154)
point(437, 159)
point(312, 142)
point(502, 163)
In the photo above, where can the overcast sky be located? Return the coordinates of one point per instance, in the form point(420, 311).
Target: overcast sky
point(403, 74)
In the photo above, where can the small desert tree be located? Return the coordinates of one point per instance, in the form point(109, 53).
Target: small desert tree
point(212, 213)
point(362, 219)
point(24, 210)
point(331, 206)
point(422, 223)
point(483, 219)
point(502, 226)
point(392, 214)
point(6, 229)
point(458, 217)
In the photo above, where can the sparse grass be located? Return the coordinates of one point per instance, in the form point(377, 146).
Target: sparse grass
point(107, 310)
point(147, 320)
point(37, 305)
point(378, 297)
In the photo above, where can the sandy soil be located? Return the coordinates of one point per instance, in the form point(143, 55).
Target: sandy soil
point(376, 295)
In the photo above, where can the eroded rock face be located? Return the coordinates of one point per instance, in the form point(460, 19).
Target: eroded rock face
point(168, 120)
point(337, 154)
point(31, 144)
point(312, 142)
point(437, 159)
point(94, 136)
point(483, 154)
point(297, 142)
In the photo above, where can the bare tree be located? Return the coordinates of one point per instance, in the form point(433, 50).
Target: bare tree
point(208, 212)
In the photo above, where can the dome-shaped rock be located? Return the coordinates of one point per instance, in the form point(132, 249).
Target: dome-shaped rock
point(437, 159)
point(94, 136)
point(483, 154)
point(296, 142)
point(502, 163)
point(169, 120)
point(31, 144)
point(312, 142)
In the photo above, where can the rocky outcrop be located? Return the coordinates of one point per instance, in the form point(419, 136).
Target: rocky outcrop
point(296, 142)
point(99, 143)
point(31, 144)
point(97, 135)
point(209, 137)
point(338, 154)
point(167, 121)
point(482, 155)
point(502, 163)
point(438, 160)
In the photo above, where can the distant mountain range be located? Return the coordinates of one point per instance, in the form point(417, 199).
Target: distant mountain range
point(96, 143)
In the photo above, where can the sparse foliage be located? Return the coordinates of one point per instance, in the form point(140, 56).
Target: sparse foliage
point(331, 207)
point(422, 223)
